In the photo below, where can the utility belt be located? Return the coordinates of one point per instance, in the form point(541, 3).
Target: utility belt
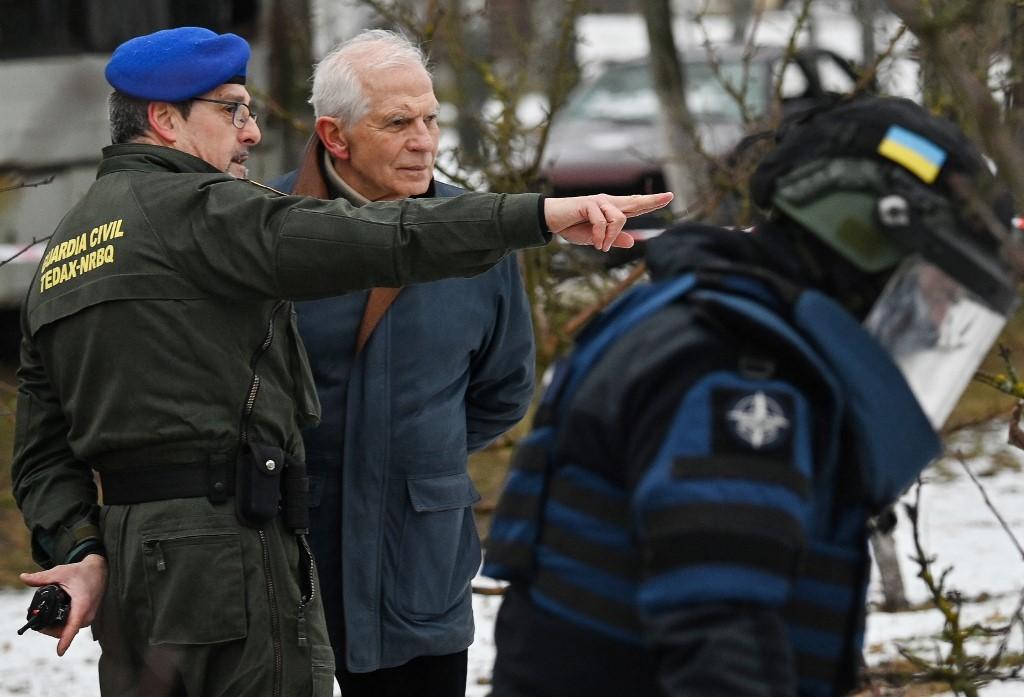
point(263, 479)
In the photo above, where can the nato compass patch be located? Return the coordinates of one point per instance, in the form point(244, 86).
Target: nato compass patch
point(759, 420)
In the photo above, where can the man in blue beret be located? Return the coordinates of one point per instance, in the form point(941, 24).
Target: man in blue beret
point(160, 352)
point(207, 68)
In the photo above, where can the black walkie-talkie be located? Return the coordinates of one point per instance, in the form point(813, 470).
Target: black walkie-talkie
point(50, 606)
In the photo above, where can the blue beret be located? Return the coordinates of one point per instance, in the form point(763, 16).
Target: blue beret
point(174, 65)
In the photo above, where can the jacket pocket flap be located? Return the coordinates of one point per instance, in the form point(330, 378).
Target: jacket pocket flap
point(442, 493)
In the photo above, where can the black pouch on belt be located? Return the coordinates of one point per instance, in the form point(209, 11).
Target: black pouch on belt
point(258, 483)
point(296, 496)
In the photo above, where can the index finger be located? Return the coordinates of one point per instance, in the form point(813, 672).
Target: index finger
point(638, 204)
point(69, 630)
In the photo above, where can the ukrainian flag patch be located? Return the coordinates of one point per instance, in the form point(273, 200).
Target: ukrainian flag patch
point(909, 150)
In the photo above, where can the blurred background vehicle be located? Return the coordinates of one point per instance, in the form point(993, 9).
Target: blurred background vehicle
point(609, 137)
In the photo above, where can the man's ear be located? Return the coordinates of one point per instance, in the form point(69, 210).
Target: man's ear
point(330, 133)
point(163, 120)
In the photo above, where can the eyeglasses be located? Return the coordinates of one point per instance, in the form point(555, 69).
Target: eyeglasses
point(240, 112)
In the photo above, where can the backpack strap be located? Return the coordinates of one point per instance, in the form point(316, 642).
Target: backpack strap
point(618, 319)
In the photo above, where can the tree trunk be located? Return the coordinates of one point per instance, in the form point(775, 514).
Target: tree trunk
point(336, 22)
point(883, 544)
point(1015, 91)
point(686, 169)
point(742, 11)
point(290, 64)
point(464, 46)
point(867, 10)
point(508, 26)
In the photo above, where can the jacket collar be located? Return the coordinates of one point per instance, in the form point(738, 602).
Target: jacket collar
point(317, 177)
point(337, 184)
point(142, 157)
point(310, 180)
point(714, 252)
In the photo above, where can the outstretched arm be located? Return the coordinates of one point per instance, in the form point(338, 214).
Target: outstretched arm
point(273, 246)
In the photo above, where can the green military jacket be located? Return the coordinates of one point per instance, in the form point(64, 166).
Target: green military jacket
point(157, 329)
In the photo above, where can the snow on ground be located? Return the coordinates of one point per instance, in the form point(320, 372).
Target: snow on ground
point(29, 666)
point(481, 653)
point(958, 529)
point(1001, 689)
point(962, 533)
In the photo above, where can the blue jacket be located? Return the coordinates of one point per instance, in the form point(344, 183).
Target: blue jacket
point(448, 369)
point(689, 514)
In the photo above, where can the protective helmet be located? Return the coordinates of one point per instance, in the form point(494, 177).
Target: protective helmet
point(879, 178)
point(910, 205)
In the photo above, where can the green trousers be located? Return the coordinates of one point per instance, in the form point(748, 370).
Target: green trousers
point(199, 605)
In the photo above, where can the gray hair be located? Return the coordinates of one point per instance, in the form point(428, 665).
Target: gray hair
point(129, 117)
point(337, 79)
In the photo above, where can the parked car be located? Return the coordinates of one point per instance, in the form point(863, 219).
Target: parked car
point(608, 136)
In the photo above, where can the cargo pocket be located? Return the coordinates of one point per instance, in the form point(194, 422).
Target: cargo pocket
point(440, 549)
point(323, 671)
point(196, 586)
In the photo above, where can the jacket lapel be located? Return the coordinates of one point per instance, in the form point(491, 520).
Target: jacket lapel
point(310, 181)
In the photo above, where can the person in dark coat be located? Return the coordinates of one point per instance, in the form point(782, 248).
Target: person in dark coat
point(446, 370)
point(690, 515)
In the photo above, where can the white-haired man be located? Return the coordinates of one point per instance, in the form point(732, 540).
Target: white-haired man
point(448, 369)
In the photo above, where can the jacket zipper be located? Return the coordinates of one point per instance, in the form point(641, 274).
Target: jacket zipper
point(250, 405)
point(312, 573)
point(305, 600)
point(254, 384)
point(275, 621)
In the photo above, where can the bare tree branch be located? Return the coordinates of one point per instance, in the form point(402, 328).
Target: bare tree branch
point(871, 72)
point(970, 424)
point(801, 21)
point(991, 506)
point(28, 185)
point(1018, 613)
point(28, 246)
point(295, 123)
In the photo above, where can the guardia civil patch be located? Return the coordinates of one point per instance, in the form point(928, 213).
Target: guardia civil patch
point(758, 420)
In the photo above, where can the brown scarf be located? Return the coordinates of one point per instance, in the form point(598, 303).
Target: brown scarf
point(311, 182)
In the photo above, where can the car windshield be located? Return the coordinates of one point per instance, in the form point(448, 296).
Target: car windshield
point(625, 93)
